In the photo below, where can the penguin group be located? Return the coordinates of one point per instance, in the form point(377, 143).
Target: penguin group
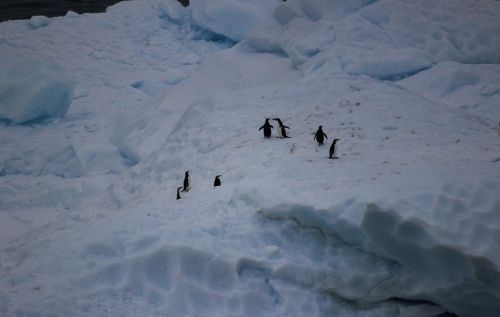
point(281, 131)
point(186, 184)
point(319, 136)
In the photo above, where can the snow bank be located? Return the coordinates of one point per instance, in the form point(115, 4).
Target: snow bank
point(38, 21)
point(221, 251)
point(384, 39)
point(32, 90)
point(227, 19)
point(475, 88)
point(446, 243)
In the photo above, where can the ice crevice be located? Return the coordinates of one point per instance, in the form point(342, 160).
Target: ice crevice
point(417, 260)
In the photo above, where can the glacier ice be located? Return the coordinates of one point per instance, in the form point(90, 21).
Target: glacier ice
point(34, 89)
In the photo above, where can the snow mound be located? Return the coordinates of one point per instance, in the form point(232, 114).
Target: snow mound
point(384, 39)
point(31, 90)
point(446, 243)
point(231, 20)
point(472, 87)
point(56, 157)
point(38, 21)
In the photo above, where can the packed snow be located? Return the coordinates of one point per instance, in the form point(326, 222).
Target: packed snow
point(102, 114)
point(31, 90)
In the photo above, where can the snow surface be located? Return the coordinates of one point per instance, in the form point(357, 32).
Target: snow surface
point(31, 89)
point(405, 223)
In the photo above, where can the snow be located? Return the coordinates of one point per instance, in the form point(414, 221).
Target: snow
point(475, 88)
point(38, 21)
point(404, 223)
point(31, 89)
point(229, 20)
point(382, 39)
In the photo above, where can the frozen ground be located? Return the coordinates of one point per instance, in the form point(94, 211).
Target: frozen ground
point(404, 223)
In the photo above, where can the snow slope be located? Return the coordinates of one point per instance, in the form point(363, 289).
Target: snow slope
point(404, 223)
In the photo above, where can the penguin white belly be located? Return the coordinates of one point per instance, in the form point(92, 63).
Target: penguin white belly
point(277, 128)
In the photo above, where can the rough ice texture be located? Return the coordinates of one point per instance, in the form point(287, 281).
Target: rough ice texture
point(38, 21)
point(32, 90)
point(384, 39)
point(453, 263)
point(377, 232)
point(228, 19)
point(475, 88)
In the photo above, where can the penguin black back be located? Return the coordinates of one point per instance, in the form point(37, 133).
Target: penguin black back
point(186, 182)
point(320, 136)
point(217, 181)
point(267, 128)
point(333, 149)
point(178, 194)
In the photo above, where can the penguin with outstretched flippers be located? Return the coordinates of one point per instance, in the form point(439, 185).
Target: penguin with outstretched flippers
point(281, 128)
point(320, 136)
point(267, 128)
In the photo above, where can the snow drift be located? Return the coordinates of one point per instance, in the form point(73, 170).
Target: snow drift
point(32, 90)
point(383, 39)
point(404, 223)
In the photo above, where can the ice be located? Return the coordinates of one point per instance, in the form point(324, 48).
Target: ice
point(472, 87)
point(284, 13)
point(226, 20)
point(31, 89)
point(384, 39)
point(404, 223)
point(445, 256)
point(190, 59)
point(38, 21)
point(72, 14)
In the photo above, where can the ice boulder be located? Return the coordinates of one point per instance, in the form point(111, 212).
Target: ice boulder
point(38, 21)
point(388, 40)
point(474, 87)
point(32, 90)
point(231, 20)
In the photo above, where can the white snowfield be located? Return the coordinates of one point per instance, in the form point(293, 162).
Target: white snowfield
point(31, 90)
point(406, 222)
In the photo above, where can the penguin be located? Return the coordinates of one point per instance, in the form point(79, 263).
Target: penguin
point(178, 194)
point(333, 149)
point(320, 135)
point(267, 128)
point(281, 128)
point(186, 182)
point(217, 181)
